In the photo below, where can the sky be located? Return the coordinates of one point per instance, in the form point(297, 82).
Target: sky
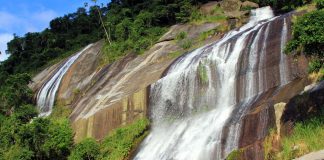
point(22, 16)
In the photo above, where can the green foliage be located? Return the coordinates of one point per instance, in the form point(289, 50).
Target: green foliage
point(119, 143)
point(70, 32)
point(216, 15)
point(25, 113)
point(319, 4)
point(18, 153)
point(315, 66)
point(182, 35)
point(307, 137)
point(308, 34)
point(175, 54)
point(186, 44)
point(60, 140)
point(88, 149)
point(234, 155)
point(60, 112)
point(282, 5)
point(185, 11)
point(202, 72)
point(14, 93)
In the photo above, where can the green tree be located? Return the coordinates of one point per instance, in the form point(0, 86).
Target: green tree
point(88, 149)
point(14, 93)
point(319, 4)
point(102, 22)
point(18, 153)
point(308, 34)
point(60, 140)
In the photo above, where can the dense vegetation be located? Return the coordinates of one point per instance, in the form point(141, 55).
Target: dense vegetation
point(282, 6)
point(308, 38)
point(136, 25)
point(116, 146)
point(68, 33)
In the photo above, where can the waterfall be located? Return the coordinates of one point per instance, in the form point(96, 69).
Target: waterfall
point(46, 95)
point(211, 88)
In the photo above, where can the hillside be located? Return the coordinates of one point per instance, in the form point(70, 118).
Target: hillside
point(155, 75)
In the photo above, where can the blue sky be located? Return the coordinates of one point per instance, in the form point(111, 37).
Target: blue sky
point(22, 16)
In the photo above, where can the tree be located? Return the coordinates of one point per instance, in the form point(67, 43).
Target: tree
point(60, 140)
point(319, 4)
point(88, 149)
point(308, 34)
point(102, 23)
point(14, 93)
point(18, 153)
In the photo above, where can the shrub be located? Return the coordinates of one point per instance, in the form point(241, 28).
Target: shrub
point(182, 35)
point(308, 34)
point(319, 4)
point(18, 153)
point(235, 155)
point(186, 44)
point(119, 143)
point(315, 66)
point(88, 149)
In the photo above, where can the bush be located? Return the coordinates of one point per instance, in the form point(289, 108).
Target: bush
point(186, 44)
point(18, 153)
point(315, 66)
point(88, 149)
point(308, 34)
point(319, 4)
point(120, 142)
point(182, 35)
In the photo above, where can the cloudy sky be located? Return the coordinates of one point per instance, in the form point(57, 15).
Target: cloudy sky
point(22, 16)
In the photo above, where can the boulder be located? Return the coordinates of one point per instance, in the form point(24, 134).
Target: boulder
point(248, 4)
point(302, 107)
point(232, 8)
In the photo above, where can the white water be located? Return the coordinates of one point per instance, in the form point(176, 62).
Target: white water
point(189, 116)
point(46, 95)
point(283, 57)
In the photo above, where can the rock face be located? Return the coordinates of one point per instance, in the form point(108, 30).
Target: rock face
point(309, 104)
point(80, 74)
point(106, 98)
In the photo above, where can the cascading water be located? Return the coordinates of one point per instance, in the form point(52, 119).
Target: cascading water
point(46, 95)
point(212, 88)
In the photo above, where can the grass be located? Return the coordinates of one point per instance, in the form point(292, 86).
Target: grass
point(269, 153)
point(182, 35)
point(307, 137)
point(186, 44)
point(119, 144)
point(175, 54)
point(216, 15)
point(308, 7)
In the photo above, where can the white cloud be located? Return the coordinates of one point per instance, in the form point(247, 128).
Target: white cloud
point(44, 16)
point(27, 21)
point(4, 39)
